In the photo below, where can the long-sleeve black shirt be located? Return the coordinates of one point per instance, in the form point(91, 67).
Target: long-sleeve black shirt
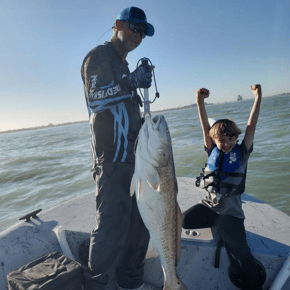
point(112, 104)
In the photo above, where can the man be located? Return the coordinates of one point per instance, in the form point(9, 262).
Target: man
point(120, 238)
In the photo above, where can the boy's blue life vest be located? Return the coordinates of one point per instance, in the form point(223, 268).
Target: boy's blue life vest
point(223, 173)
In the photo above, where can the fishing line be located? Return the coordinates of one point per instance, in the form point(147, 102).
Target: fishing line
point(103, 35)
point(156, 93)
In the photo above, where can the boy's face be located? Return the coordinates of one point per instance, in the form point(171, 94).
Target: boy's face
point(225, 143)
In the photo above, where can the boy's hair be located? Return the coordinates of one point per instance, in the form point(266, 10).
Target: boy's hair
point(224, 127)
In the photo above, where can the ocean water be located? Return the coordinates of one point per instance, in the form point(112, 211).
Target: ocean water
point(44, 167)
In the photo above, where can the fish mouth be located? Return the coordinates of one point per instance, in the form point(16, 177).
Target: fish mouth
point(159, 125)
point(154, 138)
point(156, 122)
point(159, 121)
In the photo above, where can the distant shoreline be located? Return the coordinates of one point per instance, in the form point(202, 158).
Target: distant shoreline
point(77, 122)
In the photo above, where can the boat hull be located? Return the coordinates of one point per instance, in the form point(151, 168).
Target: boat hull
point(267, 233)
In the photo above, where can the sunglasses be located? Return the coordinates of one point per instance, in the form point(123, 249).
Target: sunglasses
point(137, 29)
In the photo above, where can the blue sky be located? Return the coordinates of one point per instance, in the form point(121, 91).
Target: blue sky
point(223, 45)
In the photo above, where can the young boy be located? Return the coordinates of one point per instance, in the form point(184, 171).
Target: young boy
point(224, 180)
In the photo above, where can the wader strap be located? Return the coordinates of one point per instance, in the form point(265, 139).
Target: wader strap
point(218, 253)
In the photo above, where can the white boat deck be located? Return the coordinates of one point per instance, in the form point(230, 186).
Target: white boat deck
point(267, 232)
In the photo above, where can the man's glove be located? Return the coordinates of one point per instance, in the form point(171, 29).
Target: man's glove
point(141, 77)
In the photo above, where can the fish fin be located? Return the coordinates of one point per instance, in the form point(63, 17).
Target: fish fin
point(133, 185)
point(178, 233)
point(154, 181)
point(152, 249)
point(139, 184)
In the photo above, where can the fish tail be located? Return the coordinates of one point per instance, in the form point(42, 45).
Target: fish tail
point(176, 285)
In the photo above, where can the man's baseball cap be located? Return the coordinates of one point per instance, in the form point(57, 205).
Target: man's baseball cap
point(136, 15)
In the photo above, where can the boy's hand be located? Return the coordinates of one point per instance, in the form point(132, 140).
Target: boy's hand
point(202, 94)
point(257, 90)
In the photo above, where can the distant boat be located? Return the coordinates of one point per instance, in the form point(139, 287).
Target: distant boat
point(240, 98)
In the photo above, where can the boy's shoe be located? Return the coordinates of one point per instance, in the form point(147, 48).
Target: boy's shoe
point(144, 286)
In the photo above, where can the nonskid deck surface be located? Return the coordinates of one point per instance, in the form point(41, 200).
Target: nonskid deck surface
point(267, 233)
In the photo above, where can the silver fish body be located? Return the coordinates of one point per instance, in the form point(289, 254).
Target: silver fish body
point(154, 183)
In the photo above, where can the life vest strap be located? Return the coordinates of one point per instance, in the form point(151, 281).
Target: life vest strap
point(218, 253)
point(229, 185)
point(210, 184)
point(224, 185)
point(222, 174)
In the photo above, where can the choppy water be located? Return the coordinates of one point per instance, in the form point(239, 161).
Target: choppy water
point(44, 167)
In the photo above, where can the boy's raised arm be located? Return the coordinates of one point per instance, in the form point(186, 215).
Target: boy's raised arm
point(253, 119)
point(202, 94)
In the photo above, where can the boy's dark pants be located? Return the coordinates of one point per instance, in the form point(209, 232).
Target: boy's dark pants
point(233, 233)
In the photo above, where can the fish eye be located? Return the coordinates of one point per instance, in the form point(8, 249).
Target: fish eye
point(155, 119)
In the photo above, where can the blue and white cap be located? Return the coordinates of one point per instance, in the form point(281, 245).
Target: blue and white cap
point(136, 15)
